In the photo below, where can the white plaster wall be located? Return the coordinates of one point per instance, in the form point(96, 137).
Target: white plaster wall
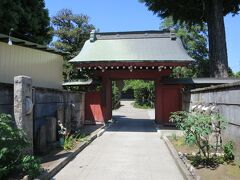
point(44, 68)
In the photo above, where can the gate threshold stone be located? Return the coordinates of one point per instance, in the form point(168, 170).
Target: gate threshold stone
point(56, 160)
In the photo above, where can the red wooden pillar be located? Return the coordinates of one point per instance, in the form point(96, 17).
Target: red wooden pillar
point(158, 102)
point(107, 98)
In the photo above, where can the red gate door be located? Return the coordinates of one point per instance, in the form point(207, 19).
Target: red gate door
point(171, 101)
point(94, 111)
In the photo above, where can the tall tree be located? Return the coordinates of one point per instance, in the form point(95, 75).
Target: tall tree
point(71, 30)
point(198, 12)
point(28, 18)
point(195, 40)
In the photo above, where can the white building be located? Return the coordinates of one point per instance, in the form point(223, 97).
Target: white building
point(44, 65)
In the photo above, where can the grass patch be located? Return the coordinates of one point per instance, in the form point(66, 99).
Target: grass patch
point(70, 141)
point(144, 106)
point(180, 145)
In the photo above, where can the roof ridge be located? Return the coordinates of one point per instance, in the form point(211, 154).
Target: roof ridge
point(133, 35)
point(135, 32)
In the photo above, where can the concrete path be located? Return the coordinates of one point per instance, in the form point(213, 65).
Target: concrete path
point(130, 149)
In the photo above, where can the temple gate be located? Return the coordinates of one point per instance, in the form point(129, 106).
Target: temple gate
point(147, 55)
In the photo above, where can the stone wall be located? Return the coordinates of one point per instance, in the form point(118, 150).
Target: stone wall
point(54, 105)
point(227, 99)
point(50, 105)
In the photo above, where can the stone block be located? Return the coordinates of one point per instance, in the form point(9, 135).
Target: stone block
point(51, 129)
point(41, 139)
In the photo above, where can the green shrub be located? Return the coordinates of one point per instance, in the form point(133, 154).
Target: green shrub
point(198, 128)
point(141, 106)
point(228, 151)
point(13, 141)
point(198, 161)
point(143, 92)
point(183, 72)
point(116, 95)
point(31, 165)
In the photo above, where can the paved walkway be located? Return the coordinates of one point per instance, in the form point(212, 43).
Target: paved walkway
point(131, 149)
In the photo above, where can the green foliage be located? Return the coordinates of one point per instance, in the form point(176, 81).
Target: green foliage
point(81, 137)
point(143, 106)
point(230, 72)
point(182, 72)
point(191, 12)
point(71, 30)
point(116, 95)
point(237, 75)
point(198, 13)
point(233, 75)
point(228, 151)
point(199, 161)
point(195, 40)
point(29, 18)
point(143, 92)
point(197, 128)
point(31, 165)
point(69, 142)
point(13, 141)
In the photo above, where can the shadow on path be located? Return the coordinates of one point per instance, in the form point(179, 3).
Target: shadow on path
point(125, 124)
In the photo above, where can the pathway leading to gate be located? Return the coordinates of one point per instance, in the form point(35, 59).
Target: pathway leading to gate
point(130, 149)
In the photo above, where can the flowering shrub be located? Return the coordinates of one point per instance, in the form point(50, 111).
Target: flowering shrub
point(198, 127)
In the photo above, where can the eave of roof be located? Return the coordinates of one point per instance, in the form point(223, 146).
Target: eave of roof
point(79, 83)
point(217, 87)
point(189, 81)
point(20, 42)
point(135, 46)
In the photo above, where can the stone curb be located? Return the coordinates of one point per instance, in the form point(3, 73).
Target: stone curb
point(62, 164)
point(183, 169)
point(105, 128)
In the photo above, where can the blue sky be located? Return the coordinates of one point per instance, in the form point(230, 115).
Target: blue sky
point(130, 15)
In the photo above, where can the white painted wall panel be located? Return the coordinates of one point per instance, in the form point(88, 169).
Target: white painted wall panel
point(45, 68)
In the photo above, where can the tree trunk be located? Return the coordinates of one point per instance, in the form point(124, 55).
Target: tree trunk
point(217, 39)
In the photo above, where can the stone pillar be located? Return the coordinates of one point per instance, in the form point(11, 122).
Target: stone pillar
point(23, 107)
